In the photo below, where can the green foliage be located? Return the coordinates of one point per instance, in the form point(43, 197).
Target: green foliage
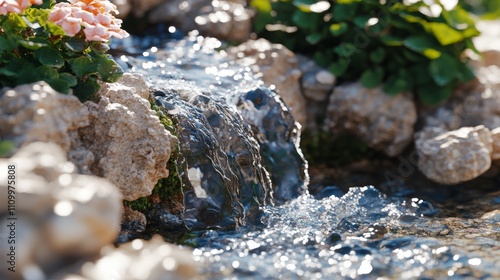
point(404, 47)
point(6, 147)
point(33, 49)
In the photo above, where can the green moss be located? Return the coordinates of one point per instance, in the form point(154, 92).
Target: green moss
point(141, 204)
point(167, 190)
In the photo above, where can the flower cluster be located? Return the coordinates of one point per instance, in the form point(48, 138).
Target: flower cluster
point(63, 43)
point(16, 6)
point(95, 17)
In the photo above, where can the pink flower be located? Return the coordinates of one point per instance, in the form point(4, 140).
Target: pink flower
point(95, 16)
point(16, 6)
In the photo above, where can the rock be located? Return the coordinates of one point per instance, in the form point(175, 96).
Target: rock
point(493, 216)
point(495, 136)
point(140, 259)
point(130, 145)
point(60, 215)
point(317, 83)
point(225, 20)
point(452, 157)
point(35, 112)
point(383, 122)
point(133, 223)
point(276, 66)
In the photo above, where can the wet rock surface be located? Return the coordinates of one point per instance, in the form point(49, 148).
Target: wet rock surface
point(60, 216)
point(385, 123)
point(276, 66)
point(238, 141)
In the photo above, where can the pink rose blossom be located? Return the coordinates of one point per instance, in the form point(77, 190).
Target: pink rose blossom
point(16, 6)
point(95, 16)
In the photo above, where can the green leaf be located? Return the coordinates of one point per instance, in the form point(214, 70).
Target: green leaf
point(307, 21)
point(337, 29)
point(59, 85)
point(314, 38)
point(345, 49)
point(377, 55)
point(83, 66)
point(339, 67)
point(361, 20)
point(395, 85)
point(84, 90)
point(424, 45)
point(444, 33)
point(108, 69)
point(263, 6)
point(343, 12)
point(100, 47)
point(444, 69)
point(50, 57)
point(465, 73)
point(76, 44)
point(4, 45)
point(70, 79)
point(371, 78)
point(432, 94)
point(392, 41)
point(13, 24)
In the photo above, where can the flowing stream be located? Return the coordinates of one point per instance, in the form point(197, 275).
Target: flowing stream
point(245, 173)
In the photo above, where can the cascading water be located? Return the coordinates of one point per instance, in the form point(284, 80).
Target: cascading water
point(239, 144)
point(239, 156)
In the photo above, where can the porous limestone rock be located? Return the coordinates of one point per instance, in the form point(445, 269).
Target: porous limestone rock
point(35, 112)
point(383, 122)
point(130, 145)
point(225, 20)
point(452, 157)
point(59, 215)
point(277, 66)
point(137, 260)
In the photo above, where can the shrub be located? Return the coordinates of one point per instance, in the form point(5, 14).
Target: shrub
point(63, 44)
point(404, 45)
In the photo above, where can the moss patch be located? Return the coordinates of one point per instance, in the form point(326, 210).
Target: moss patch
point(167, 191)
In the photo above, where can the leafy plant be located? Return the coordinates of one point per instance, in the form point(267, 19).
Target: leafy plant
point(63, 44)
point(487, 9)
point(405, 45)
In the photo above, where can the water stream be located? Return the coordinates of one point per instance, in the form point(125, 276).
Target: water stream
point(244, 164)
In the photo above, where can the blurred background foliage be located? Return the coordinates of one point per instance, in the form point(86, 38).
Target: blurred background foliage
point(409, 45)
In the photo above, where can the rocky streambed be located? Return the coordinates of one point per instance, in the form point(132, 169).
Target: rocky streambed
point(207, 155)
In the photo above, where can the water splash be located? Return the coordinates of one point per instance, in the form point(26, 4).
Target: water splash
point(362, 235)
